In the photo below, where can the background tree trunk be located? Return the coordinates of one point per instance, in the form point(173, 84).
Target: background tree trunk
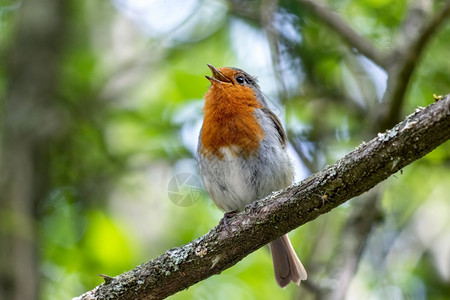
point(31, 120)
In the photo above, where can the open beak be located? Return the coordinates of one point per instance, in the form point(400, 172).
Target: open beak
point(217, 77)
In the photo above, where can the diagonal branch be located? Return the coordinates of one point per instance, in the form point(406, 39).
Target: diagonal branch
point(418, 11)
point(404, 61)
point(283, 211)
point(355, 40)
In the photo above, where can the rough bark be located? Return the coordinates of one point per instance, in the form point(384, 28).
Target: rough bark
point(267, 219)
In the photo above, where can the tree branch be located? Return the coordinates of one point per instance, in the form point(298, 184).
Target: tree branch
point(355, 40)
point(403, 63)
point(283, 211)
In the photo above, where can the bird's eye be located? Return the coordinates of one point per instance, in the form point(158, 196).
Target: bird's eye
point(240, 79)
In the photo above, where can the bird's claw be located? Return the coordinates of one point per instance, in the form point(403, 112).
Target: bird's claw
point(224, 221)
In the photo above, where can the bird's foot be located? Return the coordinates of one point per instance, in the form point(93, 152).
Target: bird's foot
point(224, 220)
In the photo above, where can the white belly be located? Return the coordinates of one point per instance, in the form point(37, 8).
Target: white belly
point(235, 181)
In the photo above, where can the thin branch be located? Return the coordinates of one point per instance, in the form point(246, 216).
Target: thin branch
point(417, 12)
point(404, 61)
point(245, 9)
point(309, 164)
point(283, 211)
point(336, 23)
point(268, 12)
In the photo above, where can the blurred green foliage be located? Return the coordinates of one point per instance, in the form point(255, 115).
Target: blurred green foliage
point(132, 100)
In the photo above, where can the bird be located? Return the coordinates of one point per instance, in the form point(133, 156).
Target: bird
point(242, 155)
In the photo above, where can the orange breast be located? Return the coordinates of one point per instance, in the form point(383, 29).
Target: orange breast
point(230, 121)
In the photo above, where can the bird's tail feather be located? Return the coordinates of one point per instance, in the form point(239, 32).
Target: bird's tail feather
point(286, 265)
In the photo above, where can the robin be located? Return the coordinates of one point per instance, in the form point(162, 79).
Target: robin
point(242, 155)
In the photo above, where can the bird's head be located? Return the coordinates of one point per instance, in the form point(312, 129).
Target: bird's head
point(233, 86)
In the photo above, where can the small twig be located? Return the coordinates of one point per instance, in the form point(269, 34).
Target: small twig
point(309, 164)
